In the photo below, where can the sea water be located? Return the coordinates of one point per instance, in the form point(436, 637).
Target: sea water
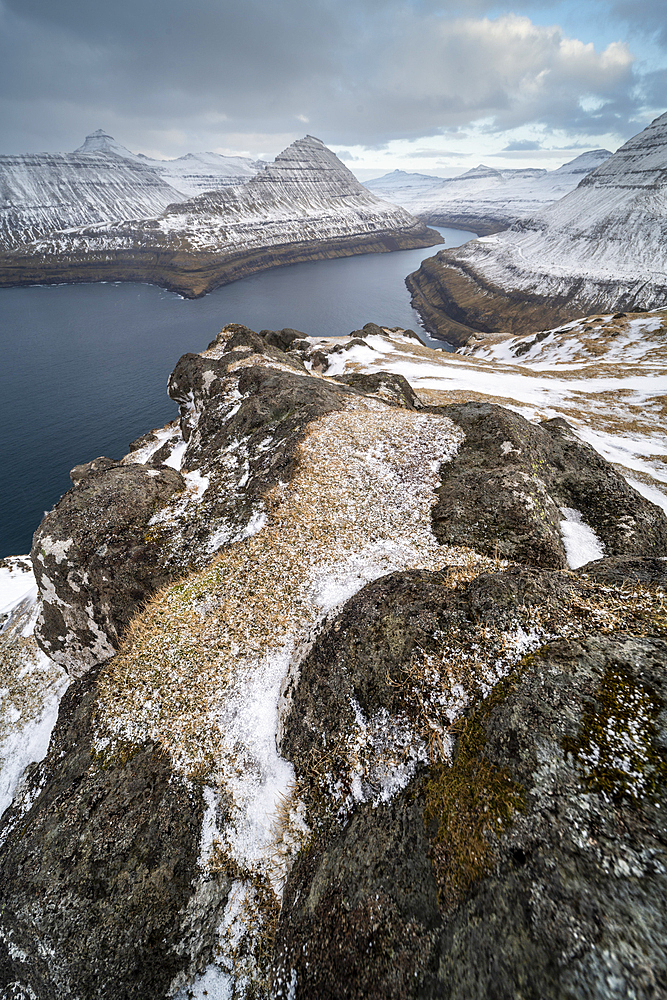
point(84, 367)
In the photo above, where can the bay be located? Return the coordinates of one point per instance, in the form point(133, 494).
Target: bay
point(84, 367)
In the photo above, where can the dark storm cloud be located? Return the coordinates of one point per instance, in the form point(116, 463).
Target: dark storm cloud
point(171, 76)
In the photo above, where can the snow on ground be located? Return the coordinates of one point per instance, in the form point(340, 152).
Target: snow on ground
point(607, 376)
point(17, 583)
point(203, 665)
point(31, 685)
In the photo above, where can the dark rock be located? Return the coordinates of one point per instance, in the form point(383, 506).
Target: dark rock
point(503, 492)
point(392, 388)
point(369, 330)
point(101, 464)
point(627, 569)
point(282, 339)
point(96, 560)
point(98, 866)
point(302, 346)
point(545, 841)
point(365, 926)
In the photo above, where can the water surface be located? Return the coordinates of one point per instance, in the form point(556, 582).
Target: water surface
point(84, 367)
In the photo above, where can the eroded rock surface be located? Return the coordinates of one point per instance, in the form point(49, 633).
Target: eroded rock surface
point(545, 831)
point(97, 867)
point(95, 560)
point(476, 802)
point(505, 491)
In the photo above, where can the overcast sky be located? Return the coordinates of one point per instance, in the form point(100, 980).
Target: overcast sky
point(421, 85)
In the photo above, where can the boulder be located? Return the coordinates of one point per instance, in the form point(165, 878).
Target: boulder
point(526, 864)
point(96, 560)
point(504, 491)
point(98, 866)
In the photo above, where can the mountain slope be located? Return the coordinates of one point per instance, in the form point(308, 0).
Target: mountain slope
point(306, 205)
point(190, 174)
point(484, 199)
point(602, 247)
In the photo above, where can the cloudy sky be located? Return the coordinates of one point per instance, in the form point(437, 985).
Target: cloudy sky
point(435, 86)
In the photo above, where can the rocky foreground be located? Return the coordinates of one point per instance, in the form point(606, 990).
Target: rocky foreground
point(601, 248)
point(101, 215)
point(364, 698)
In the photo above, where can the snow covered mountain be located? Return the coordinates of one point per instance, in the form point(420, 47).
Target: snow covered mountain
point(484, 199)
point(602, 247)
point(190, 174)
point(306, 205)
point(102, 181)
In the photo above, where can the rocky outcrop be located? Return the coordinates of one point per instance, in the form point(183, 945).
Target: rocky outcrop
point(598, 249)
point(543, 841)
point(98, 863)
point(505, 491)
point(323, 738)
point(96, 560)
point(305, 206)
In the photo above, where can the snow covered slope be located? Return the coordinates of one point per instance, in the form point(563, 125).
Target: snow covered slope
point(45, 192)
point(190, 174)
point(484, 199)
point(102, 181)
point(306, 205)
point(602, 247)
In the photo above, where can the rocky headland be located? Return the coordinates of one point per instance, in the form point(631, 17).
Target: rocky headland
point(601, 248)
point(101, 215)
point(359, 696)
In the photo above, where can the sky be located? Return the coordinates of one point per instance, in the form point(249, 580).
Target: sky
point(433, 86)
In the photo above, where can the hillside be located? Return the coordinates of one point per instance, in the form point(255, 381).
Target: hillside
point(603, 247)
point(340, 671)
point(484, 199)
point(305, 206)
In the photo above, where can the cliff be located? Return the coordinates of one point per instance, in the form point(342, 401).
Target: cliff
point(304, 206)
point(364, 697)
point(601, 248)
point(484, 199)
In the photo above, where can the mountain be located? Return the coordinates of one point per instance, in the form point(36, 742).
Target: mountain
point(190, 174)
point(484, 199)
point(602, 247)
point(323, 691)
point(304, 206)
point(102, 181)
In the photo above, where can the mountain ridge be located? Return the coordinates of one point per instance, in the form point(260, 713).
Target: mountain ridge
point(305, 205)
point(600, 248)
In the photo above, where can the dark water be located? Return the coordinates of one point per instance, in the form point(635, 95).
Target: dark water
point(84, 367)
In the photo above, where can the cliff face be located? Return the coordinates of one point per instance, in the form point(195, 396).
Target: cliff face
point(600, 248)
point(484, 199)
point(305, 206)
point(346, 715)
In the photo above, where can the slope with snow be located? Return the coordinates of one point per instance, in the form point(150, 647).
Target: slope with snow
point(102, 182)
point(602, 247)
point(484, 199)
point(306, 202)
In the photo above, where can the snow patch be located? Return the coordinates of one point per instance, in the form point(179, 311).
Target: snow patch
point(581, 543)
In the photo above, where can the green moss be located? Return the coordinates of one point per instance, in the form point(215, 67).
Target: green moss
point(617, 744)
point(116, 754)
point(466, 802)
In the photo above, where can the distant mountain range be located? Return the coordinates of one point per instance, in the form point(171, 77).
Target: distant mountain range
point(601, 248)
point(104, 213)
point(484, 199)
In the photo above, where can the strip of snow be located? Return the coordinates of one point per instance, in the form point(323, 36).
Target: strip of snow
point(581, 543)
point(26, 745)
point(17, 582)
